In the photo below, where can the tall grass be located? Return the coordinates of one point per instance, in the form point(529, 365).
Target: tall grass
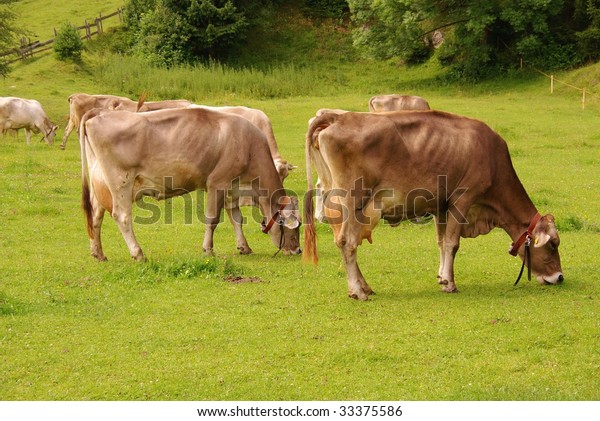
point(132, 75)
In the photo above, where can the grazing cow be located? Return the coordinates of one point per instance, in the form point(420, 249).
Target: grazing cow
point(171, 152)
point(28, 114)
point(383, 103)
point(404, 165)
point(260, 120)
point(80, 103)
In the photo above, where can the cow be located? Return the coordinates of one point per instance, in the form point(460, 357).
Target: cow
point(18, 113)
point(381, 103)
point(170, 152)
point(408, 164)
point(260, 120)
point(80, 103)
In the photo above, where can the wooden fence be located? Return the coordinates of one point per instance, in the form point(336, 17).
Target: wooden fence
point(27, 49)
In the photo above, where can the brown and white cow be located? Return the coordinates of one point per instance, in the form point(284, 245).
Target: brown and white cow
point(260, 119)
point(18, 113)
point(404, 165)
point(81, 103)
point(381, 103)
point(171, 152)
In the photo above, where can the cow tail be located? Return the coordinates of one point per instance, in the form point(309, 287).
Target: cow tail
point(317, 124)
point(141, 101)
point(310, 235)
point(86, 202)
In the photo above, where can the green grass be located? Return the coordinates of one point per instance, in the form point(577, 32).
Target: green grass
point(173, 329)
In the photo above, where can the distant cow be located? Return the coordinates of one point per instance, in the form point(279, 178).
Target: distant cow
point(407, 164)
point(382, 103)
point(171, 152)
point(81, 103)
point(28, 114)
point(260, 120)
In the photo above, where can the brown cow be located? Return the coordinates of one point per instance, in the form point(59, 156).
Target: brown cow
point(408, 164)
point(18, 113)
point(171, 152)
point(81, 103)
point(260, 120)
point(383, 103)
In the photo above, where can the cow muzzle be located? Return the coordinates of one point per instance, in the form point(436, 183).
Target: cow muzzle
point(555, 279)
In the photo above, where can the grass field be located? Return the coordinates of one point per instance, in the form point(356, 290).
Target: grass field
point(173, 329)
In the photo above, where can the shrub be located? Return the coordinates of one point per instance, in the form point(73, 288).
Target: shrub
point(67, 44)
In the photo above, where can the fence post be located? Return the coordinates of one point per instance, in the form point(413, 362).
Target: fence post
point(583, 100)
point(551, 84)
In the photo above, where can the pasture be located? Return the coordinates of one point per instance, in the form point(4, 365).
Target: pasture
point(180, 328)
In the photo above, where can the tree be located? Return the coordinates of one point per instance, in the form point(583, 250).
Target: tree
point(8, 32)
point(68, 44)
point(177, 31)
point(480, 36)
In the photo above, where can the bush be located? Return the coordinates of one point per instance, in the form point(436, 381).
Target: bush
point(67, 44)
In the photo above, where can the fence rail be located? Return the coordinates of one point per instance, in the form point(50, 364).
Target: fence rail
point(28, 48)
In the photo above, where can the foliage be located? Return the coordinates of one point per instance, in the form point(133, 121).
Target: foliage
point(480, 37)
point(170, 32)
point(326, 8)
point(68, 44)
point(588, 40)
point(8, 32)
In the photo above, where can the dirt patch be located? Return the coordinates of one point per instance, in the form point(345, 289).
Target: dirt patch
point(242, 279)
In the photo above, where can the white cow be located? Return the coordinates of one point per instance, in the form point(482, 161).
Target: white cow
point(381, 103)
point(18, 113)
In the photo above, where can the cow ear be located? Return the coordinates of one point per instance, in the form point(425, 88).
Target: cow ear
point(541, 239)
point(291, 167)
point(291, 222)
point(291, 214)
point(542, 231)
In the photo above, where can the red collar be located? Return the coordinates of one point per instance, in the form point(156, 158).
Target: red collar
point(285, 200)
point(514, 248)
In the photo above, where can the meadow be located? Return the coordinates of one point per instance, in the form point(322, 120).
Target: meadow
point(177, 328)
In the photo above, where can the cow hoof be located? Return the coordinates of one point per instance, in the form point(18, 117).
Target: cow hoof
point(358, 296)
point(245, 250)
point(441, 281)
point(101, 258)
point(450, 288)
point(140, 258)
point(62, 147)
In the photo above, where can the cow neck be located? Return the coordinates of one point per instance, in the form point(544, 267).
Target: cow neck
point(272, 206)
point(285, 200)
point(519, 216)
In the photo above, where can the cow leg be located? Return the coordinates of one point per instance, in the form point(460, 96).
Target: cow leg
point(348, 244)
point(450, 248)
point(68, 131)
point(28, 136)
point(235, 216)
point(357, 286)
point(440, 229)
point(216, 200)
point(122, 214)
point(96, 240)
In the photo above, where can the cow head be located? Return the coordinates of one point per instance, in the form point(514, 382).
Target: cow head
point(285, 233)
point(49, 137)
point(283, 168)
point(545, 260)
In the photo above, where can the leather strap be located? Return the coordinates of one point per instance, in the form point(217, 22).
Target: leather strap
point(514, 248)
point(285, 200)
